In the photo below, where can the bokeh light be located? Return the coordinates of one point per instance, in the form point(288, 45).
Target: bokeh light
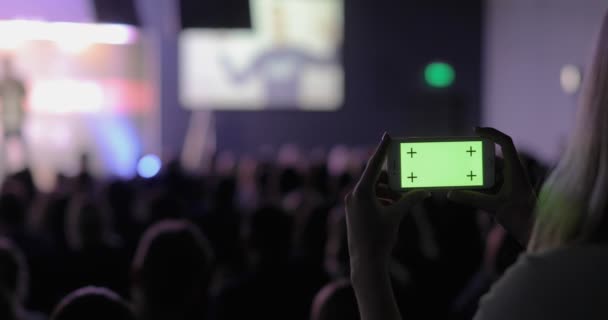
point(570, 78)
point(439, 75)
point(148, 166)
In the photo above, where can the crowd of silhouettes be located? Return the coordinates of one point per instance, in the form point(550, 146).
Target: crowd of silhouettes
point(248, 239)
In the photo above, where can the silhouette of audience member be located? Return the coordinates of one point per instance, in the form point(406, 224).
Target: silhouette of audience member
point(12, 98)
point(88, 225)
point(12, 111)
point(273, 288)
point(92, 303)
point(221, 225)
point(14, 281)
point(308, 251)
point(84, 181)
point(120, 197)
point(172, 270)
point(335, 301)
point(12, 215)
point(48, 258)
point(95, 252)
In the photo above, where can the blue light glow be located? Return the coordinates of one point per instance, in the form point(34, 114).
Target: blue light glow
point(118, 143)
point(148, 166)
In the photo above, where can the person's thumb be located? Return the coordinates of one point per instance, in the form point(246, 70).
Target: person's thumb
point(407, 201)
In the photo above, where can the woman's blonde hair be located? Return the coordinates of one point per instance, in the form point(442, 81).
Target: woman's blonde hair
point(573, 202)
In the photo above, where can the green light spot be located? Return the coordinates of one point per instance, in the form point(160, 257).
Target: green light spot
point(441, 164)
point(439, 75)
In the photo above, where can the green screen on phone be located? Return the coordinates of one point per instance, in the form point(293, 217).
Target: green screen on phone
point(441, 164)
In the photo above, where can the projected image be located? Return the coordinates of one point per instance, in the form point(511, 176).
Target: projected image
point(289, 60)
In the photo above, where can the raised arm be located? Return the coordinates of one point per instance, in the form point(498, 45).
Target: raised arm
point(372, 231)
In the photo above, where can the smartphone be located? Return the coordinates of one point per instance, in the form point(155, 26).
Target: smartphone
point(441, 163)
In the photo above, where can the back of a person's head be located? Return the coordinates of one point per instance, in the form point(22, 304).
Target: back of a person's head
point(172, 267)
point(335, 301)
point(13, 271)
point(92, 303)
point(87, 224)
point(573, 204)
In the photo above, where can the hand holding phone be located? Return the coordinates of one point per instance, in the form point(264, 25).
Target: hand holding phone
point(441, 163)
point(372, 225)
point(467, 163)
point(514, 203)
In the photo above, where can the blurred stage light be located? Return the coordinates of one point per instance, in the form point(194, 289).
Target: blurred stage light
point(570, 78)
point(148, 166)
point(439, 75)
point(70, 36)
point(67, 96)
point(73, 46)
point(10, 41)
point(76, 95)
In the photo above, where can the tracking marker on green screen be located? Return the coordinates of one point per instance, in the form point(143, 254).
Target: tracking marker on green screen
point(441, 164)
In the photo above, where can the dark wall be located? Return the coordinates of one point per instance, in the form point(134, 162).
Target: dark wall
point(387, 44)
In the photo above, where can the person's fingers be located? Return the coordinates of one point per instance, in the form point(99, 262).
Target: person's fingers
point(492, 134)
point(512, 166)
point(383, 191)
point(406, 202)
point(473, 198)
point(503, 140)
point(374, 165)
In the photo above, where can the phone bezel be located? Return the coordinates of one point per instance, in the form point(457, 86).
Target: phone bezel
point(394, 170)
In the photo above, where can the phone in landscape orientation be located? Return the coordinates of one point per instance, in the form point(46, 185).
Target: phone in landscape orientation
point(441, 163)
